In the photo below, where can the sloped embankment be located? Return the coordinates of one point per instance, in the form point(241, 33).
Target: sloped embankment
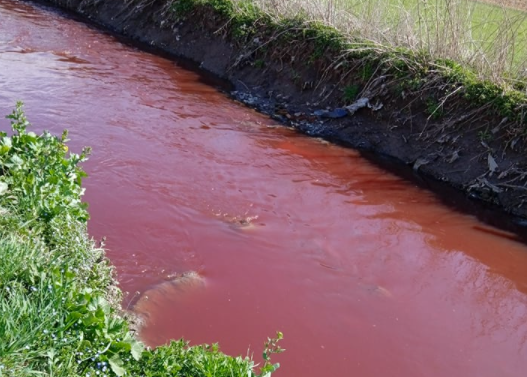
point(434, 117)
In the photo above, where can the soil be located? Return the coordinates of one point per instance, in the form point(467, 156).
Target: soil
point(463, 155)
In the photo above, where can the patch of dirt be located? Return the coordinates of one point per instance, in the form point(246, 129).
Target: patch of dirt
point(463, 150)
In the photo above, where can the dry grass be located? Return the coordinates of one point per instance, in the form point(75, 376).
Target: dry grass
point(492, 39)
point(514, 4)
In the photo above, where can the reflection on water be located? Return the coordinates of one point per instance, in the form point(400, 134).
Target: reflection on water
point(365, 274)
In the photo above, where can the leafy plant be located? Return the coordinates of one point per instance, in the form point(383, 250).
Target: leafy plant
point(367, 71)
point(259, 63)
point(271, 347)
point(434, 108)
point(38, 175)
point(350, 93)
point(485, 135)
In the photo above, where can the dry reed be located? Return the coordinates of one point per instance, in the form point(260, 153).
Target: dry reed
point(491, 39)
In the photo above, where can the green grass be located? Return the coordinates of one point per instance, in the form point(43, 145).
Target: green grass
point(59, 307)
point(491, 39)
point(462, 30)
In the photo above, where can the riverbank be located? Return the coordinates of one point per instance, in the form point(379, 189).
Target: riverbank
point(435, 118)
point(59, 303)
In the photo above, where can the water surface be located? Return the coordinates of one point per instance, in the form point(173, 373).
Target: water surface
point(365, 274)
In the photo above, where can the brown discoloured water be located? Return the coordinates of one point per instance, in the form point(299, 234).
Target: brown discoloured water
point(174, 288)
point(365, 274)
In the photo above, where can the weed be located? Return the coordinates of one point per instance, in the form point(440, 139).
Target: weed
point(413, 83)
point(434, 109)
point(485, 135)
point(324, 38)
point(259, 63)
point(350, 93)
point(271, 347)
point(367, 71)
point(181, 8)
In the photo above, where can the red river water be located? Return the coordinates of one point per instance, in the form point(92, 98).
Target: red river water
point(364, 273)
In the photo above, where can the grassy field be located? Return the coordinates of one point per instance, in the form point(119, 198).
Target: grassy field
point(489, 37)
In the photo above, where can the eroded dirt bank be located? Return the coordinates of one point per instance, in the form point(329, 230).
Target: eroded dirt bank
point(458, 144)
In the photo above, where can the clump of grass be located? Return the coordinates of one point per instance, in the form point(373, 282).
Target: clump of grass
point(59, 307)
point(350, 93)
point(434, 108)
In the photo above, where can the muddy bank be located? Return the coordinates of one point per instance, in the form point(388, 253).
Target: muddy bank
point(455, 144)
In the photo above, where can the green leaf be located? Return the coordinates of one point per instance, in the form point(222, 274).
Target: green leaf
point(3, 188)
point(4, 149)
point(6, 141)
point(117, 365)
point(16, 160)
point(121, 346)
point(137, 350)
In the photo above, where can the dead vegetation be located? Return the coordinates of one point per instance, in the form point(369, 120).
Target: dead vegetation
point(491, 40)
point(513, 4)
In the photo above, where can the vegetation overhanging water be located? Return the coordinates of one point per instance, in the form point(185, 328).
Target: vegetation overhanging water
point(59, 305)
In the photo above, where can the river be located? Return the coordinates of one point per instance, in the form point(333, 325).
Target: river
point(365, 274)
